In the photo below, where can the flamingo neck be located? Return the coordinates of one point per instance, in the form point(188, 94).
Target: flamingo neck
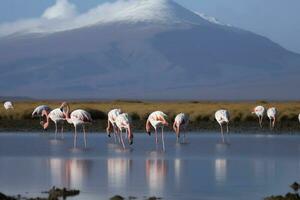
point(129, 132)
point(45, 125)
point(148, 127)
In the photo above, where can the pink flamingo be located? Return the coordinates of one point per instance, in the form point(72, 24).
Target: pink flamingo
point(8, 105)
point(78, 117)
point(222, 117)
point(57, 116)
point(181, 122)
point(272, 113)
point(123, 122)
point(157, 120)
point(259, 111)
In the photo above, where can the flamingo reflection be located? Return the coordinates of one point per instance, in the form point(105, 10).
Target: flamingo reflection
point(69, 173)
point(117, 171)
point(220, 170)
point(156, 172)
point(177, 170)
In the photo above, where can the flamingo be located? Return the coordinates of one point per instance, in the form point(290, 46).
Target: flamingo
point(57, 116)
point(181, 121)
point(123, 122)
point(8, 105)
point(222, 117)
point(272, 113)
point(38, 111)
point(259, 111)
point(78, 117)
point(111, 122)
point(157, 120)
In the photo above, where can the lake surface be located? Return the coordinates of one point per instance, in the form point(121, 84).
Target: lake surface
point(251, 167)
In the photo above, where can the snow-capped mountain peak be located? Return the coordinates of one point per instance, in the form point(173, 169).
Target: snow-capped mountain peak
point(63, 16)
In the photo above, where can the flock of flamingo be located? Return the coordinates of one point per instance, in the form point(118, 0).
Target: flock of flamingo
point(118, 122)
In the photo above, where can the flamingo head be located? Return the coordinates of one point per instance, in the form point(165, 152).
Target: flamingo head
point(45, 126)
point(165, 123)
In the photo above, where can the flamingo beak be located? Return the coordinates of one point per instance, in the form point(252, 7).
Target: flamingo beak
point(149, 132)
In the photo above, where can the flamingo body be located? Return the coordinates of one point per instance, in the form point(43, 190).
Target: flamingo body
point(57, 115)
point(80, 117)
point(222, 117)
point(8, 105)
point(155, 119)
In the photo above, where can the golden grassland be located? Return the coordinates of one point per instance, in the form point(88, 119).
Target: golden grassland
point(201, 113)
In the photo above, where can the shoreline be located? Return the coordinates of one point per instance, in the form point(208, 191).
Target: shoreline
point(99, 126)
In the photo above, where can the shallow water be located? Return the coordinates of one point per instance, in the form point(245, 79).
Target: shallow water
point(251, 167)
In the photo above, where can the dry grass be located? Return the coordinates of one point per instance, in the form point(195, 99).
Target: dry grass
point(239, 111)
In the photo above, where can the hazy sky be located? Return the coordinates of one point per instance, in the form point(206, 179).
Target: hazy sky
point(277, 19)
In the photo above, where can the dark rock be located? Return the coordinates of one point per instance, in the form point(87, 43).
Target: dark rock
point(117, 197)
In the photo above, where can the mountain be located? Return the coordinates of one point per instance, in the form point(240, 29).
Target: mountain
point(145, 49)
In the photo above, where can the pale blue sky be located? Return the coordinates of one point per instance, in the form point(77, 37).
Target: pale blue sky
point(277, 19)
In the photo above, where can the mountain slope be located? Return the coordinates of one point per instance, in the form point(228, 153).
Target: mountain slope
point(181, 56)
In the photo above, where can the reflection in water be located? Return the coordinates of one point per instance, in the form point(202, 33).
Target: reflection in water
point(259, 167)
point(69, 173)
point(117, 172)
point(156, 172)
point(177, 170)
point(220, 170)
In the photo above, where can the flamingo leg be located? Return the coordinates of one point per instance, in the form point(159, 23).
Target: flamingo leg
point(75, 137)
point(222, 133)
point(55, 129)
point(156, 139)
point(121, 136)
point(162, 138)
point(177, 133)
point(62, 131)
point(184, 132)
point(115, 134)
point(274, 122)
point(270, 123)
point(84, 136)
point(260, 121)
point(227, 128)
